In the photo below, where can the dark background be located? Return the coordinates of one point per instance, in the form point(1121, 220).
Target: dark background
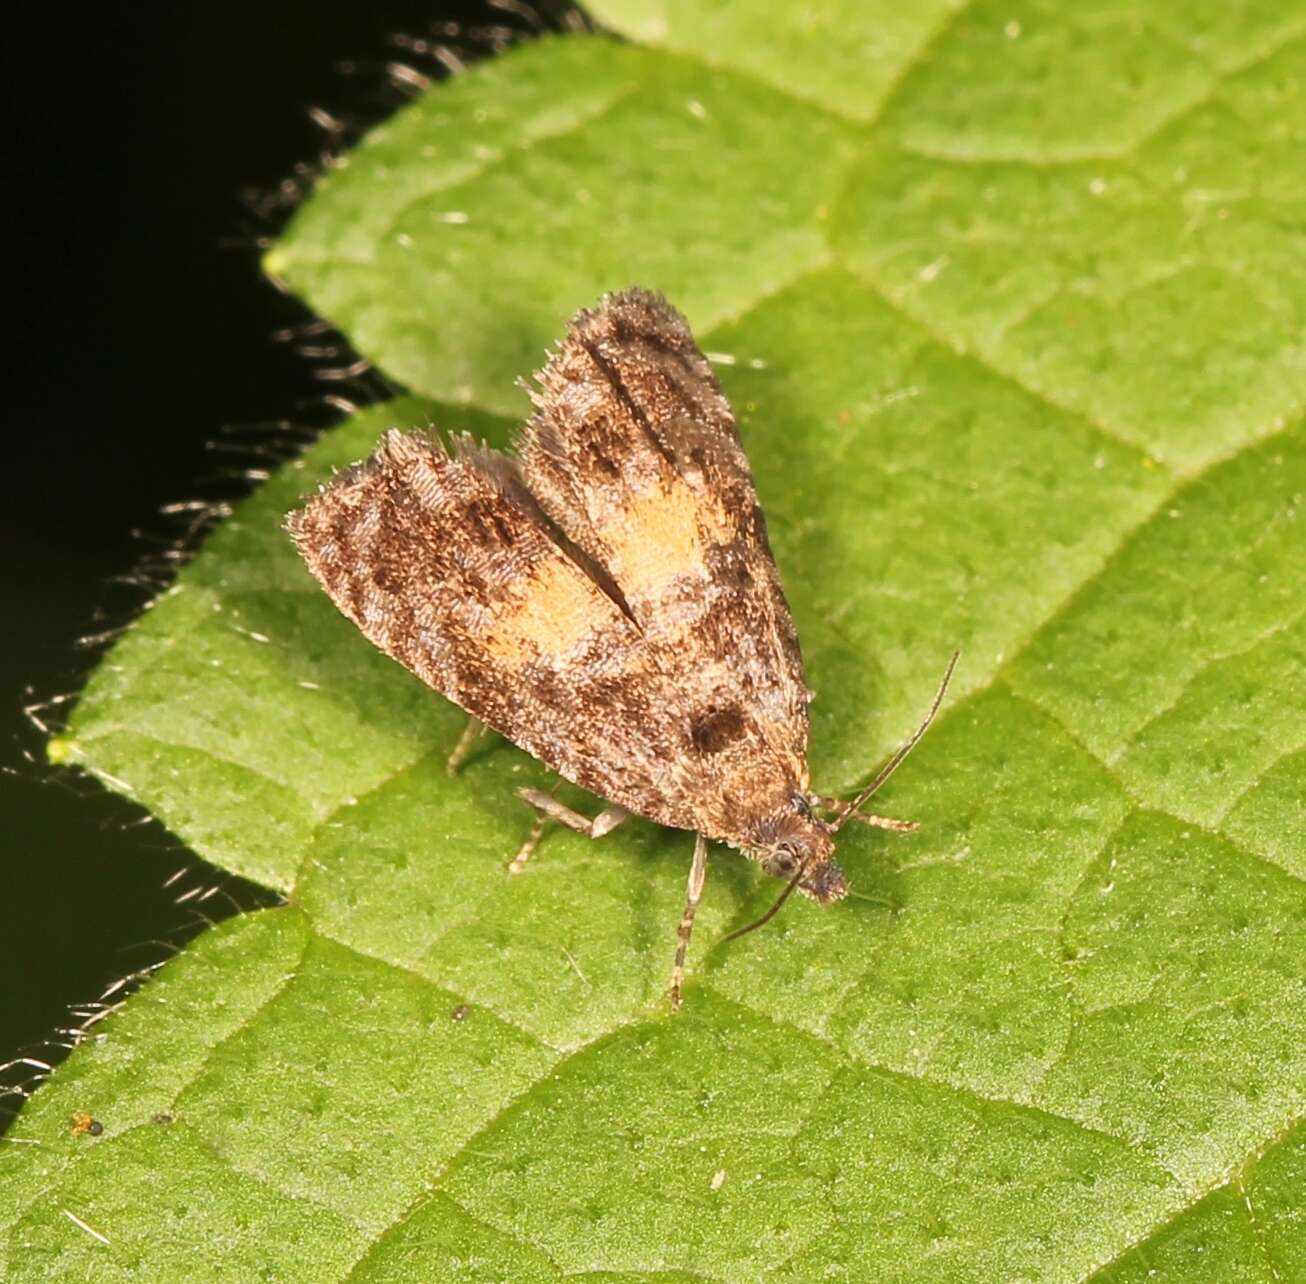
point(143, 331)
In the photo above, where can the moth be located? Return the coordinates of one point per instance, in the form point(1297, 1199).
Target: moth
point(605, 598)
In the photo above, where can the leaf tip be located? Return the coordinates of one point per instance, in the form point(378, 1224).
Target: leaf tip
point(60, 750)
point(276, 262)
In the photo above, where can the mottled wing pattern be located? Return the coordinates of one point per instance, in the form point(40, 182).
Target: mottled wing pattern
point(634, 454)
point(609, 602)
point(447, 564)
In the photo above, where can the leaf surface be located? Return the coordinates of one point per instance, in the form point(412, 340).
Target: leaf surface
point(1010, 302)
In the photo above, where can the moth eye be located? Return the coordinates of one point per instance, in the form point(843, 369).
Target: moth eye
point(785, 860)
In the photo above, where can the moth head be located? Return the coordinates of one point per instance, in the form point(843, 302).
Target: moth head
point(794, 838)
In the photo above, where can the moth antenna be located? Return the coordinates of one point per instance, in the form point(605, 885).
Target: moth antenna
point(896, 761)
point(774, 910)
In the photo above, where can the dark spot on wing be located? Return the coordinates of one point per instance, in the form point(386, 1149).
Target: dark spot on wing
point(387, 578)
point(716, 729)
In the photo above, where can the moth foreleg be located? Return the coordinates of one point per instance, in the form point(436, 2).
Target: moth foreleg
point(868, 818)
point(693, 894)
point(471, 734)
point(548, 808)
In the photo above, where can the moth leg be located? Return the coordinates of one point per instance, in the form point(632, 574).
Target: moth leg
point(604, 823)
point(548, 808)
point(518, 862)
point(471, 733)
point(693, 894)
point(867, 818)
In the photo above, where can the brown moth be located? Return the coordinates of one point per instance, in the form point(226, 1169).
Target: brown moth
point(607, 600)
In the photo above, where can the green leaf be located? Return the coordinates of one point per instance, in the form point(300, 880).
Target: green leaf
point(1010, 301)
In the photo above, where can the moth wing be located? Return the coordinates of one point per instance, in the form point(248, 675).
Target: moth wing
point(634, 454)
point(447, 564)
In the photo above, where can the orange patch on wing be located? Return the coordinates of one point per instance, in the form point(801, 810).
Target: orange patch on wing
point(556, 608)
point(661, 536)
